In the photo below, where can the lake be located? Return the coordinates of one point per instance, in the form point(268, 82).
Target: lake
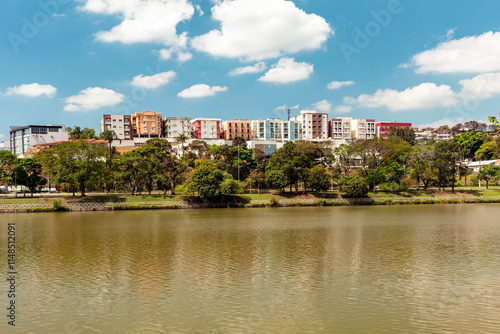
point(387, 269)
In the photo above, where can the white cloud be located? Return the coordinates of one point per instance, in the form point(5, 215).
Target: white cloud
point(472, 54)
point(482, 86)
point(450, 33)
point(287, 70)
point(32, 90)
point(285, 106)
point(339, 84)
point(182, 55)
point(1, 135)
point(262, 29)
point(323, 106)
point(201, 90)
point(153, 81)
point(343, 109)
point(424, 96)
point(259, 67)
point(93, 98)
point(143, 20)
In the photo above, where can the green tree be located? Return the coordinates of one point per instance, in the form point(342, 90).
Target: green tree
point(256, 180)
point(353, 186)
point(406, 134)
point(182, 139)
point(318, 178)
point(88, 134)
point(75, 133)
point(470, 141)
point(7, 163)
point(277, 179)
point(447, 155)
point(487, 151)
point(27, 173)
point(109, 136)
point(204, 182)
point(489, 172)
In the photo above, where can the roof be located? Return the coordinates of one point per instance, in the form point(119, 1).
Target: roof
point(483, 163)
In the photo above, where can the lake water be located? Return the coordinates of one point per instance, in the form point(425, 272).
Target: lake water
point(391, 269)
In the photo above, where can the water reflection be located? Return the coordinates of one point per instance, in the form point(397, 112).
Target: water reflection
point(429, 269)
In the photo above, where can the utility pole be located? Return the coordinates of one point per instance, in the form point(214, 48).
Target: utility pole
point(238, 162)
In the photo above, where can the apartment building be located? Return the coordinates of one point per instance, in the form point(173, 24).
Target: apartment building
point(314, 124)
point(120, 124)
point(276, 129)
point(175, 126)
point(205, 128)
point(147, 124)
point(363, 128)
point(23, 137)
point(238, 127)
point(340, 128)
point(382, 129)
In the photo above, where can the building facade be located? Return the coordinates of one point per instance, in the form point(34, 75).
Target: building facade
point(340, 128)
point(363, 129)
point(205, 128)
point(147, 124)
point(120, 124)
point(23, 137)
point(175, 126)
point(238, 127)
point(314, 124)
point(276, 129)
point(382, 129)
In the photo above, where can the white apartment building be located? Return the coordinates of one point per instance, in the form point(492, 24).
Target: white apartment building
point(340, 128)
point(175, 126)
point(314, 124)
point(120, 124)
point(275, 129)
point(363, 128)
point(23, 137)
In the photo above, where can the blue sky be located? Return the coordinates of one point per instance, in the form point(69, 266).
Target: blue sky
point(425, 62)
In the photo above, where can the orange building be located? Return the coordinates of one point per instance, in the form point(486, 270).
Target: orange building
point(238, 127)
point(147, 124)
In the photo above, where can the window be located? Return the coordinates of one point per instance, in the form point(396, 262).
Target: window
point(53, 130)
point(114, 126)
point(120, 120)
point(235, 125)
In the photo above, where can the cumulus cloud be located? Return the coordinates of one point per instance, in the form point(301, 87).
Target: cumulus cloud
point(482, 86)
point(262, 29)
point(287, 70)
point(343, 109)
point(93, 98)
point(424, 96)
point(285, 106)
point(201, 90)
point(32, 90)
point(143, 20)
point(257, 68)
point(323, 106)
point(180, 54)
point(339, 84)
point(472, 54)
point(153, 81)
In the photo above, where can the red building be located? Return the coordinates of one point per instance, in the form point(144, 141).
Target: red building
point(384, 128)
point(205, 128)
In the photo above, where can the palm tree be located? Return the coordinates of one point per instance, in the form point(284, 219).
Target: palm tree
point(109, 135)
point(75, 133)
point(182, 138)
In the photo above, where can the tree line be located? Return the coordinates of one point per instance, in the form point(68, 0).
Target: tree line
point(212, 172)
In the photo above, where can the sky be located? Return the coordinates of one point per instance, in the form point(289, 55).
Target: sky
point(420, 61)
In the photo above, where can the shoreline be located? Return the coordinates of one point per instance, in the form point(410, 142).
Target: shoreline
point(99, 206)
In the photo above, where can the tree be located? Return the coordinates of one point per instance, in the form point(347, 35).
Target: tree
point(353, 186)
point(421, 165)
point(471, 141)
point(110, 136)
point(495, 121)
point(406, 134)
point(487, 173)
point(239, 141)
point(27, 173)
point(88, 134)
point(318, 178)
point(487, 151)
point(182, 138)
point(7, 163)
point(256, 179)
point(447, 155)
point(277, 179)
point(205, 182)
point(456, 129)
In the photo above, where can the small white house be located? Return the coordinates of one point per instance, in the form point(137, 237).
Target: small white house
point(476, 165)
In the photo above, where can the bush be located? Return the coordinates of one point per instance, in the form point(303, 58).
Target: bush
point(58, 206)
point(353, 186)
point(273, 201)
